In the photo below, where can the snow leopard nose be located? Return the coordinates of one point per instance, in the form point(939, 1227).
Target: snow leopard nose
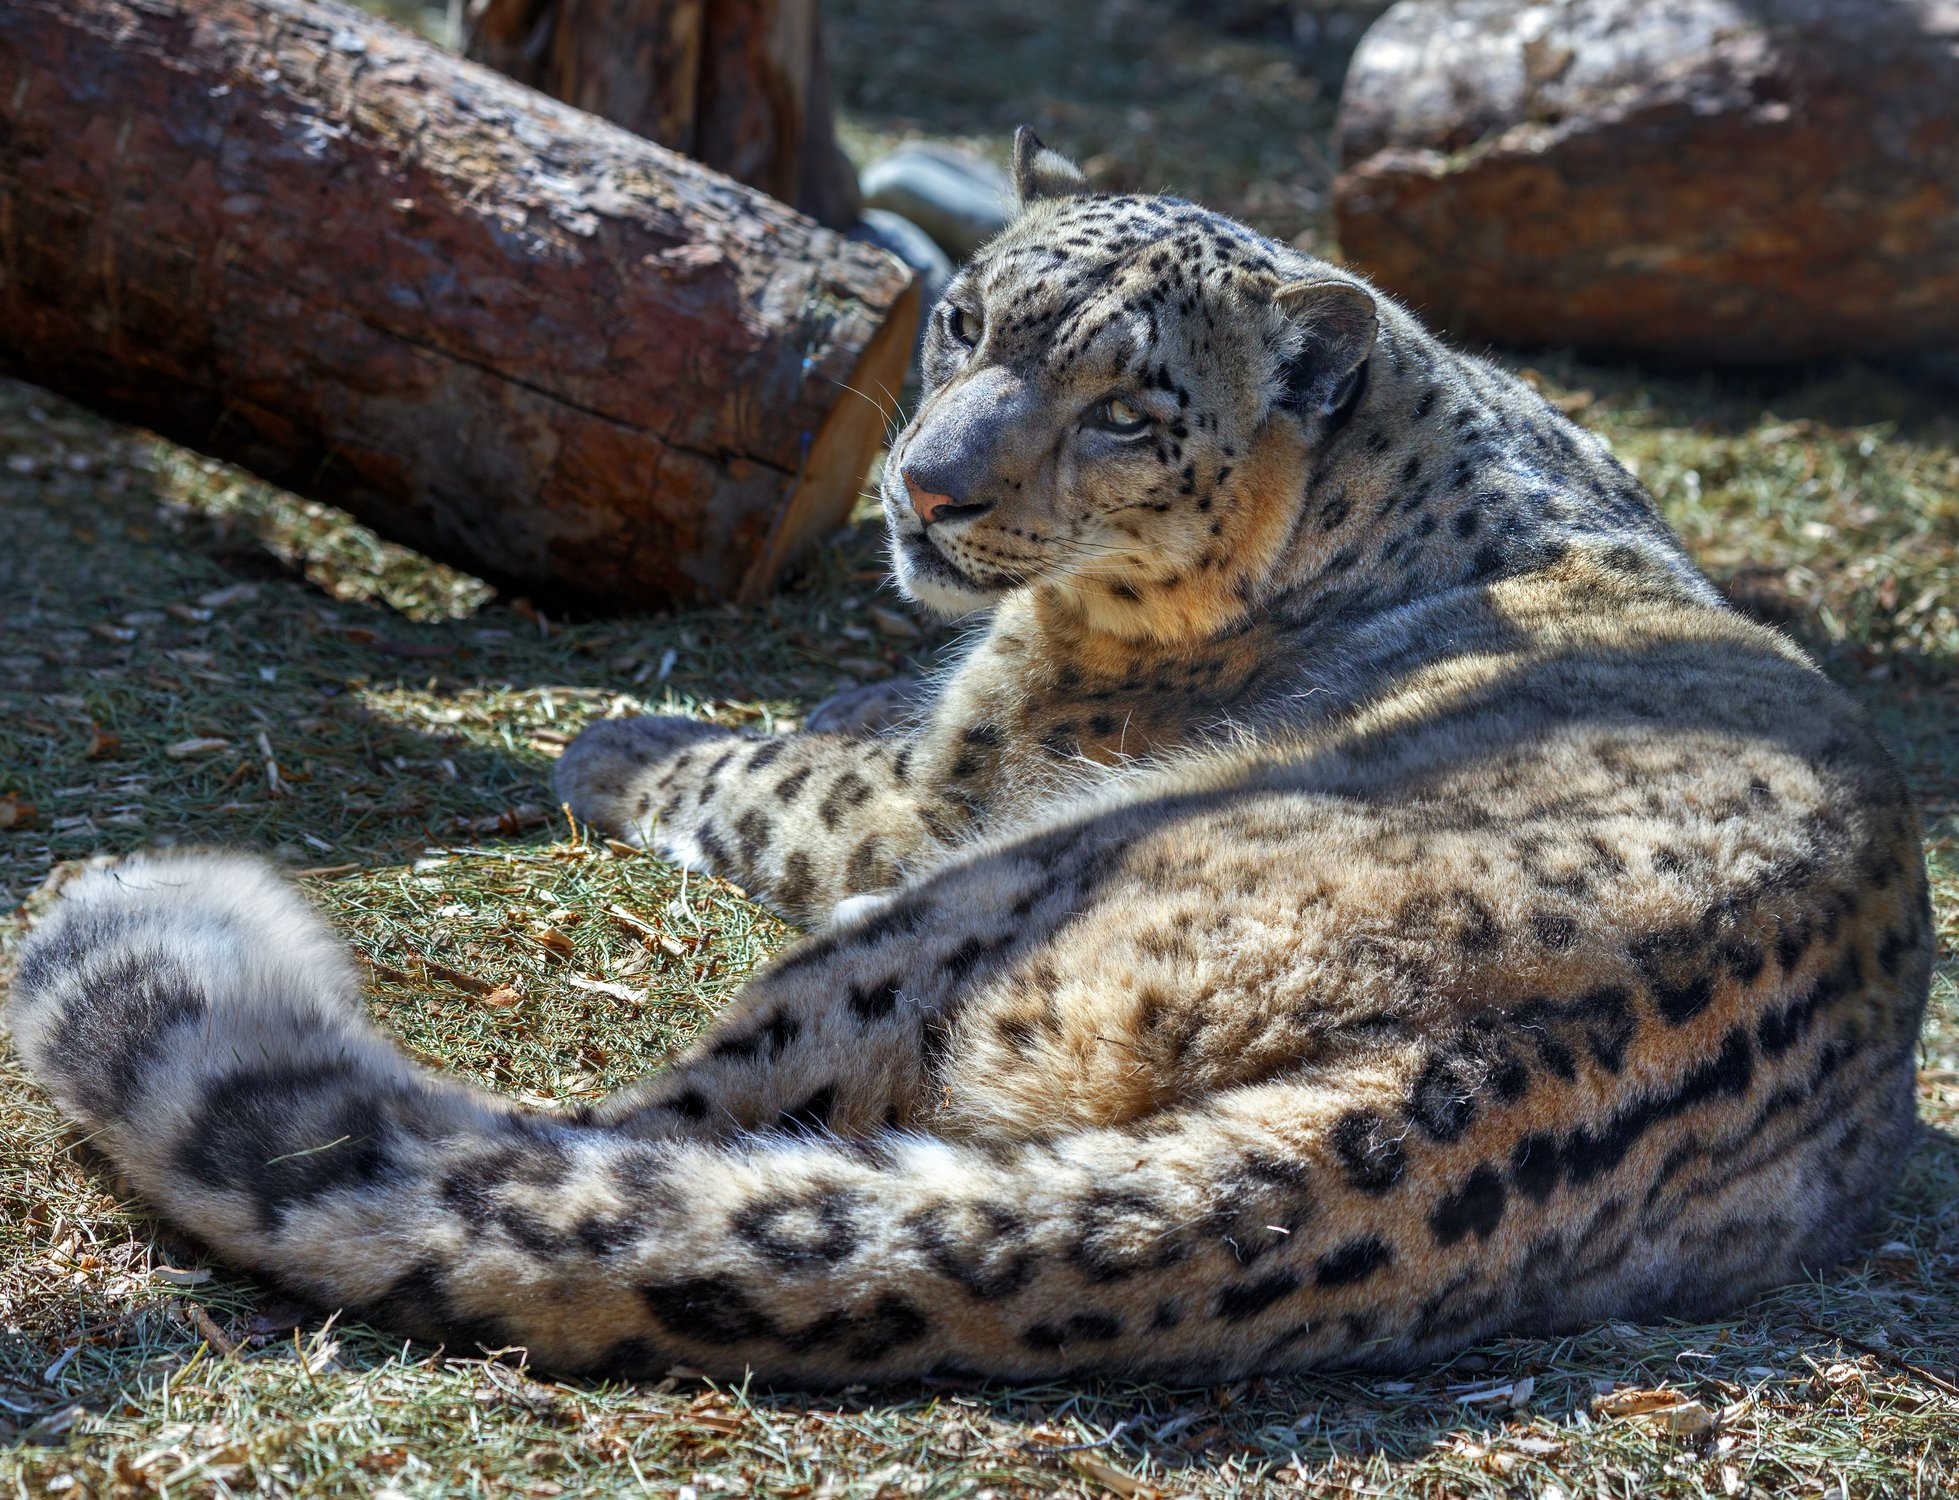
point(937, 496)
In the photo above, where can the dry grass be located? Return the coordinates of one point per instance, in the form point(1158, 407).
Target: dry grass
point(387, 724)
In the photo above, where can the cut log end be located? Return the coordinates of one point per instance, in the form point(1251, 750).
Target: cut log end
point(841, 451)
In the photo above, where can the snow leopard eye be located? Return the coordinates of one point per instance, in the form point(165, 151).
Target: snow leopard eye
point(964, 327)
point(1117, 416)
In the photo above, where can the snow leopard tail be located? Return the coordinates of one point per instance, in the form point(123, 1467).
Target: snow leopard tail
point(204, 1026)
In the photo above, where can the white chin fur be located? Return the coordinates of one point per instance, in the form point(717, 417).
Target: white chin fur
point(943, 600)
point(947, 600)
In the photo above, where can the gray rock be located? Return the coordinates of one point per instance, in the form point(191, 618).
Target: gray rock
point(912, 245)
point(958, 199)
point(917, 249)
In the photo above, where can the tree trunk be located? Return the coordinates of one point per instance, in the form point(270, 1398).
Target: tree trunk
point(741, 85)
point(496, 328)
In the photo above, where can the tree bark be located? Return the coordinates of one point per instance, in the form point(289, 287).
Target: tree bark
point(741, 85)
point(501, 330)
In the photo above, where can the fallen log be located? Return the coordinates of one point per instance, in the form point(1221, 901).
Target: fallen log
point(739, 84)
point(498, 329)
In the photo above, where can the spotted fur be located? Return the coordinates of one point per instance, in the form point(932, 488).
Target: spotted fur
point(1363, 892)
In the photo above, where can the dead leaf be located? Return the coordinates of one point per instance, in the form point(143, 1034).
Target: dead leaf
point(460, 979)
point(1671, 1411)
point(15, 812)
point(552, 939)
point(510, 822)
point(101, 743)
point(899, 627)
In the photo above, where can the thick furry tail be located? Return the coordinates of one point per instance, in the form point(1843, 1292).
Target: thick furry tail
point(202, 1023)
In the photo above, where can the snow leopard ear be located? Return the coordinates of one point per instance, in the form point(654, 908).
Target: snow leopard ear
point(1330, 329)
point(1041, 173)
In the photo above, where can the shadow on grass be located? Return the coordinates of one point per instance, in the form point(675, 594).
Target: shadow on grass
point(162, 642)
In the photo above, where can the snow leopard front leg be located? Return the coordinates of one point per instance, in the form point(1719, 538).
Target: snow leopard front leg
point(805, 821)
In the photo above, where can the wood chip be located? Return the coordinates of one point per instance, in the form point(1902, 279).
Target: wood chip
point(201, 745)
point(605, 987)
point(1536, 1447)
point(237, 593)
point(1512, 1393)
point(1635, 1402)
point(1109, 1477)
point(1688, 1419)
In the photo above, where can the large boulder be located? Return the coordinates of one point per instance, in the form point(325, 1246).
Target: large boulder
point(961, 200)
point(1707, 180)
